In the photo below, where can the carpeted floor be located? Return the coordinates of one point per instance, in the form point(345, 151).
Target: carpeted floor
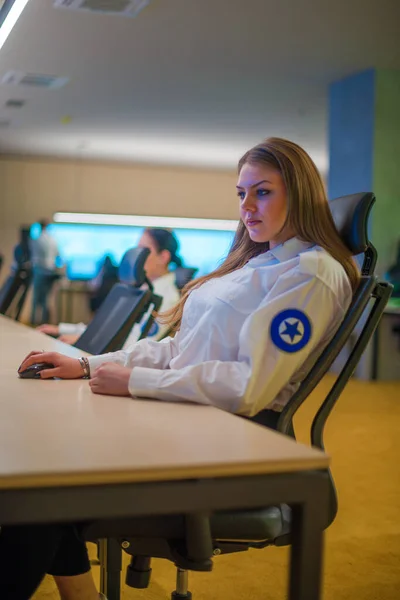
point(362, 546)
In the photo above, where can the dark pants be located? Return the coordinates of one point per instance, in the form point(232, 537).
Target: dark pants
point(42, 284)
point(28, 552)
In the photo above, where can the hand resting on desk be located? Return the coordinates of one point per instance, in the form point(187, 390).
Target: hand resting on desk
point(111, 379)
point(48, 329)
point(54, 330)
point(69, 338)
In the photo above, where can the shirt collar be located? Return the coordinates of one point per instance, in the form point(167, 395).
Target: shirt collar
point(283, 252)
point(290, 249)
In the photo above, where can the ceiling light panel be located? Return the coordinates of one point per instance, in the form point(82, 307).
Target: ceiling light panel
point(127, 8)
point(39, 80)
point(146, 221)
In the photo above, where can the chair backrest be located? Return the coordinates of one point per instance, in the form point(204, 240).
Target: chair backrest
point(350, 214)
point(131, 269)
point(107, 279)
point(183, 275)
point(108, 330)
point(14, 291)
point(125, 305)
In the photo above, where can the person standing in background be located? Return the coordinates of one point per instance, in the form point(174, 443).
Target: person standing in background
point(22, 251)
point(44, 255)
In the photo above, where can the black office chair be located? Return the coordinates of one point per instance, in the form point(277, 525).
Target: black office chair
point(14, 290)
point(185, 539)
point(183, 275)
point(109, 277)
point(125, 305)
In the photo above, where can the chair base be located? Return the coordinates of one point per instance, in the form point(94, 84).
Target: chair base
point(176, 596)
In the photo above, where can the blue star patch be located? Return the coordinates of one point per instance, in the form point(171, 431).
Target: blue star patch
point(290, 330)
point(154, 329)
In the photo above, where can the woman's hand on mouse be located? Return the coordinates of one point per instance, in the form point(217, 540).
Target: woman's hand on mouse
point(64, 366)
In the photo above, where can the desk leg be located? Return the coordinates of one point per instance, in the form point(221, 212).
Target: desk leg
point(110, 568)
point(306, 552)
point(69, 306)
point(60, 306)
point(375, 354)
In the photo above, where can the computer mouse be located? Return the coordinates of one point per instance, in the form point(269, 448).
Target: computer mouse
point(33, 371)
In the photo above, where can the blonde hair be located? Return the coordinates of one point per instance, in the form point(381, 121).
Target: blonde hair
point(309, 216)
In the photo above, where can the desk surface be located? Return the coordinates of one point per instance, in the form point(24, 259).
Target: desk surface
point(55, 433)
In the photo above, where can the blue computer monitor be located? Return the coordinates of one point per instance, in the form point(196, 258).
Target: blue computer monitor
point(83, 247)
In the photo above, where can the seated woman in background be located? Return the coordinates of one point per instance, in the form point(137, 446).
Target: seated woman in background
point(246, 336)
point(163, 247)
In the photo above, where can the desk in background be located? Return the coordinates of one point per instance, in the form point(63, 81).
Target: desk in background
point(393, 306)
point(386, 344)
point(69, 455)
point(67, 295)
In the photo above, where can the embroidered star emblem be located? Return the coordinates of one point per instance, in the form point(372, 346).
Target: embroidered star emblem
point(292, 329)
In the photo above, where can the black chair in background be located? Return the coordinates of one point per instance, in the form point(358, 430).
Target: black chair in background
point(14, 290)
point(107, 277)
point(183, 275)
point(192, 547)
point(125, 305)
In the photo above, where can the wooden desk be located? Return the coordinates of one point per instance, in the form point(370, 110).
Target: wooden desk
point(66, 454)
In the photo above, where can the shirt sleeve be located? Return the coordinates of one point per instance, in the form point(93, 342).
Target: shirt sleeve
point(146, 353)
point(71, 328)
point(273, 346)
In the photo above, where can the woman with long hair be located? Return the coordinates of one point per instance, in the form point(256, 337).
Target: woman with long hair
point(246, 334)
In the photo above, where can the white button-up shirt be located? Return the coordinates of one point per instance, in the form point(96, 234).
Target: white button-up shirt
point(247, 339)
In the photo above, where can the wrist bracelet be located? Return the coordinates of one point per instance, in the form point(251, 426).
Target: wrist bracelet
point(83, 361)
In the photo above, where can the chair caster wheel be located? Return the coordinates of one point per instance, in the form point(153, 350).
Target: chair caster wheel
point(137, 579)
